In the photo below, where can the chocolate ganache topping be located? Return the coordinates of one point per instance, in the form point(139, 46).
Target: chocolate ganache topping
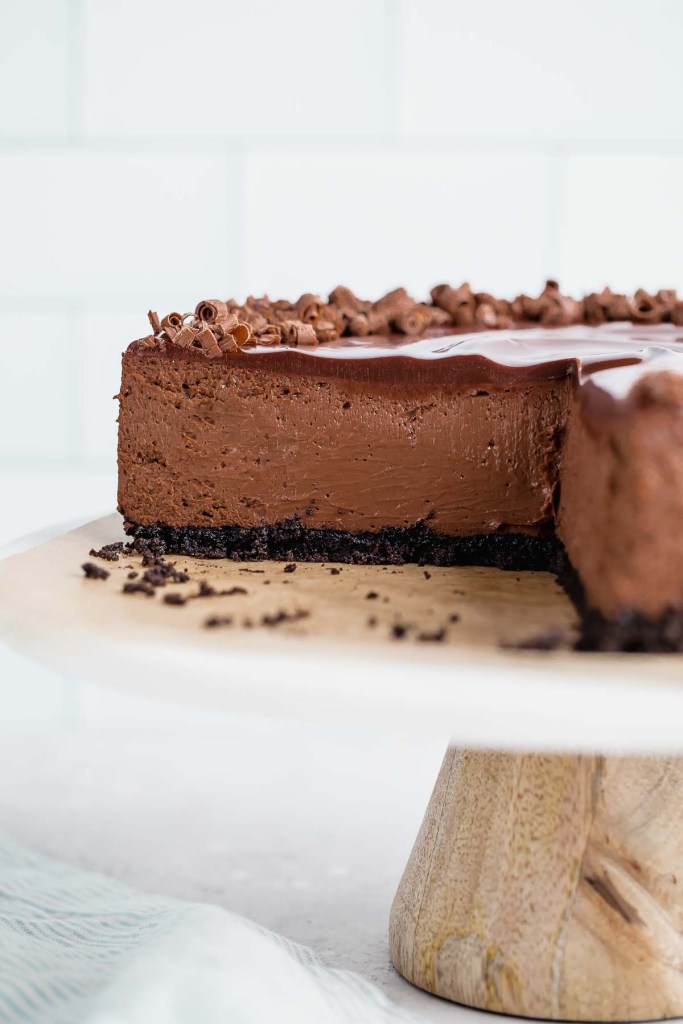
point(606, 339)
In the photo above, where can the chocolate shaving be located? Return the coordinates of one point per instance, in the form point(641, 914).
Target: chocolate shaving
point(185, 337)
point(219, 328)
point(271, 334)
point(205, 338)
point(308, 308)
point(295, 332)
point(325, 331)
point(459, 302)
point(173, 321)
point(645, 308)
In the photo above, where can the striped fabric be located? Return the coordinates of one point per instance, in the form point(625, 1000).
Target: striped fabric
point(77, 947)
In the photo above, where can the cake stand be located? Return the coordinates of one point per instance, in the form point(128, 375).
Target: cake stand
point(547, 877)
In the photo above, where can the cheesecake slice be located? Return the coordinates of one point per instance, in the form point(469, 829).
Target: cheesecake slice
point(543, 433)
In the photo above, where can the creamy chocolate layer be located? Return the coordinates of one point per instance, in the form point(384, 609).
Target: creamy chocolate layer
point(208, 444)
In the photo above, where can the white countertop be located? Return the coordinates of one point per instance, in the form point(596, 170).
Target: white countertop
point(303, 829)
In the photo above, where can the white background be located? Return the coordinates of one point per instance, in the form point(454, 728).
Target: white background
point(156, 153)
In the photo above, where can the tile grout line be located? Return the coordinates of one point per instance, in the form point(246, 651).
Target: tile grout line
point(390, 141)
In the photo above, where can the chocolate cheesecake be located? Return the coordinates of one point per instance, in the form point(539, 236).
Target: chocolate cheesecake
point(543, 433)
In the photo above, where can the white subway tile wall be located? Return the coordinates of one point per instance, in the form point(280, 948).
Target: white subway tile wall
point(153, 153)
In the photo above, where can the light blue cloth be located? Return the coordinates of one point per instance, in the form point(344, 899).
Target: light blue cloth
point(78, 948)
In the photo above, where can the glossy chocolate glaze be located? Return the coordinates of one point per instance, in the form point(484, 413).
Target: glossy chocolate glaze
point(498, 357)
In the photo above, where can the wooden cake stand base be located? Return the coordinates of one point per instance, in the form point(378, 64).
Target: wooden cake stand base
point(548, 886)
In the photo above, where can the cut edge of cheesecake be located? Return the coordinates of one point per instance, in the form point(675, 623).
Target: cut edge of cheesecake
point(424, 441)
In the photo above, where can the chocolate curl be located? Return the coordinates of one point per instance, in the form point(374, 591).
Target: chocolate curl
point(271, 334)
point(485, 315)
point(325, 331)
point(222, 327)
point(255, 321)
point(666, 298)
point(459, 302)
point(228, 344)
point(410, 321)
point(295, 332)
point(154, 320)
point(558, 310)
point(435, 317)
point(372, 322)
point(185, 336)
point(308, 308)
point(345, 299)
point(615, 307)
point(242, 334)
point(594, 310)
point(645, 308)
point(526, 308)
point(396, 299)
point(171, 324)
point(676, 314)
point(174, 320)
point(331, 314)
point(212, 311)
point(208, 343)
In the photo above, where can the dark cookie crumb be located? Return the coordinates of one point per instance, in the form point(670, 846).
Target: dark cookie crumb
point(435, 637)
point(139, 587)
point(372, 622)
point(290, 568)
point(398, 631)
point(454, 617)
point(244, 568)
point(132, 575)
point(334, 571)
point(94, 572)
point(371, 595)
point(109, 552)
point(175, 599)
point(218, 620)
point(156, 577)
point(427, 575)
point(277, 618)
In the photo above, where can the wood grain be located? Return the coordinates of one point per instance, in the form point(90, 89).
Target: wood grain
point(548, 886)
